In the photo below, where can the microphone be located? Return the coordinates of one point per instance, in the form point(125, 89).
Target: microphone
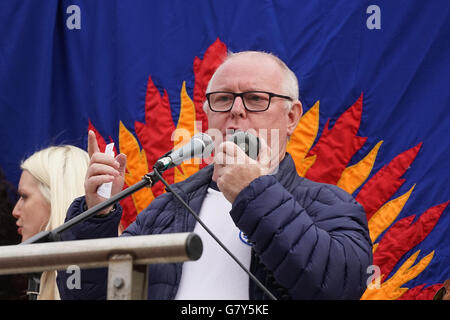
point(200, 146)
point(248, 142)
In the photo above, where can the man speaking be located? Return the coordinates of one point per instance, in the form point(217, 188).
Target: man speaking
point(302, 239)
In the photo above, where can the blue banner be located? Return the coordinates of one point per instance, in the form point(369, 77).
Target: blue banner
point(65, 64)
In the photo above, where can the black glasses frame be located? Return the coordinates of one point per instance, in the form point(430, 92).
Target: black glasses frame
point(241, 94)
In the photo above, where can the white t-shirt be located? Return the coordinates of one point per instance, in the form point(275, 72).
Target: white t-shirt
point(216, 276)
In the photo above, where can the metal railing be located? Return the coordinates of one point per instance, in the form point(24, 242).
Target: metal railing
point(126, 258)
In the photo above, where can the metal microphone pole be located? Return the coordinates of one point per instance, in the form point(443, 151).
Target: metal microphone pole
point(54, 235)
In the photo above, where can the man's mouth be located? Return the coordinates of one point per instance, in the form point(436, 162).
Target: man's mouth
point(230, 131)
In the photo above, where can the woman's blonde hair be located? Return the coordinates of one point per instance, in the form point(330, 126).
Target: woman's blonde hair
point(60, 171)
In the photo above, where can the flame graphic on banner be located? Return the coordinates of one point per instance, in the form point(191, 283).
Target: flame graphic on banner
point(325, 161)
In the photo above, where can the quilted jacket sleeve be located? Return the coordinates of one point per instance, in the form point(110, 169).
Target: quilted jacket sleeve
point(316, 243)
point(93, 281)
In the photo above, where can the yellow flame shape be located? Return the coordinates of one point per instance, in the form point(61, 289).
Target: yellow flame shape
point(354, 176)
point(390, 289)
point(303, 138)
point(384, 217)
point(137, 167)
point(186, 128)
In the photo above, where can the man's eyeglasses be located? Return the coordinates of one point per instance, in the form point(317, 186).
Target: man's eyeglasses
point(254, 101)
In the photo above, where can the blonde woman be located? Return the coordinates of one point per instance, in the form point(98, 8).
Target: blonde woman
point(51, 179)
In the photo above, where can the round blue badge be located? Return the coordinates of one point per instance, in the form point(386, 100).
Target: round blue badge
point(244, 238)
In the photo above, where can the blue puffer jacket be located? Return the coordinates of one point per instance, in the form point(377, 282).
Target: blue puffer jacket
point(311, 240)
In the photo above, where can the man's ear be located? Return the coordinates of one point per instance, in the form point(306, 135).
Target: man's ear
point(294, 116)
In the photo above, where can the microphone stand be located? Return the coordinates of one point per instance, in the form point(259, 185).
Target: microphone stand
point(54, 235)
point(195, 215)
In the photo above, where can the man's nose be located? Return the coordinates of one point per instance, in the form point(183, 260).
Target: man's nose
point(238, 109)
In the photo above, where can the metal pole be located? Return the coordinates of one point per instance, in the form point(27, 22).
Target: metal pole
point(94, 253)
